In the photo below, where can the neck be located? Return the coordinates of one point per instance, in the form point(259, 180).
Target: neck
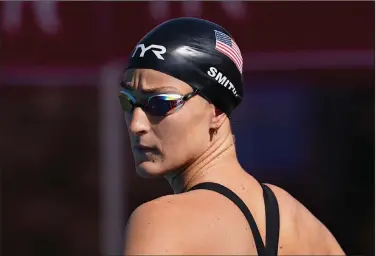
point(217, 161)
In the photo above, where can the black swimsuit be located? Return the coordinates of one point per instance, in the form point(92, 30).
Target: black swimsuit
point(272, 216)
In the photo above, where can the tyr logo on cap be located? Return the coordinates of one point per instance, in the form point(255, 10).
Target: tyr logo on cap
point(158, 50)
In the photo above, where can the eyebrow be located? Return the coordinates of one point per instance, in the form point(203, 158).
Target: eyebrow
point(127, 85)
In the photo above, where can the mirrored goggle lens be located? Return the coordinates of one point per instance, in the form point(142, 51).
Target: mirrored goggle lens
point(157, 105)
point(126, 101)
point(161, 105)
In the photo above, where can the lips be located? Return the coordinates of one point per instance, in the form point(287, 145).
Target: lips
point(143, 148)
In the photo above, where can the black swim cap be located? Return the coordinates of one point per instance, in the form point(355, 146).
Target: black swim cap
point(198, 52)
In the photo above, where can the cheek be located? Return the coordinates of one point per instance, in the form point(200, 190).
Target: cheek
point(127, 118)
point(183, 137)
point(171, 135)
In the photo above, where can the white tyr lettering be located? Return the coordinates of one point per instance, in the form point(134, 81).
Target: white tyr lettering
point(158, 50)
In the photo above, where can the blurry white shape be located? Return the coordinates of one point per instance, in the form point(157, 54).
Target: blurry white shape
point(182, 50)
point(46, 15)
point(234, 9)
point(192, 8)
point(11, 16)
point(187, 51)
point(159, 10)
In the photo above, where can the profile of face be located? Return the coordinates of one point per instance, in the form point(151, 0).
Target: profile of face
point(164, 143)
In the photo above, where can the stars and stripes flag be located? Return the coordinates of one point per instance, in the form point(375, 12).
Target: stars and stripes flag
point(228, 47)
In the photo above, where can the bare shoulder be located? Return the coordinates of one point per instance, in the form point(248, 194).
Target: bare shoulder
point(300, 228)
point(153, 228)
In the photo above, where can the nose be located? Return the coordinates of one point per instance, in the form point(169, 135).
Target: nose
point(138, 123)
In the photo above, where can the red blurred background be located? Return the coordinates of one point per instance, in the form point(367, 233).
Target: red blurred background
point(306, 123)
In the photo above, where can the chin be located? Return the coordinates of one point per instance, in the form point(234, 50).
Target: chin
point(149, 170)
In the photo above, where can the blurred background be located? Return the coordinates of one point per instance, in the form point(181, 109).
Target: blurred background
point(306, 122)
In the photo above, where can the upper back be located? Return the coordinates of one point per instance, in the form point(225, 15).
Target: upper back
point(205, 222)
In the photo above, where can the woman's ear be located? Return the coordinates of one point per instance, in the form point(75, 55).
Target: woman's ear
point(218, 119)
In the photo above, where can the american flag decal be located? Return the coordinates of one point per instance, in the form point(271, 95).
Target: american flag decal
point(227, 46)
